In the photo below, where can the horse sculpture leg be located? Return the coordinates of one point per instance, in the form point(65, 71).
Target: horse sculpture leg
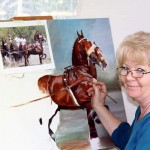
point(26, 60)
point(40, 58)
point(92, 119)
point(51, 133)
point(44, 56)
point(92, 128)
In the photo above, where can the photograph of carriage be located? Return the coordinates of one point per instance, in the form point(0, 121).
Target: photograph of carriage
point(25, 44)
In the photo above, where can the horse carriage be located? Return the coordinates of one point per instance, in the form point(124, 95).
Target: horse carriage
point(18, 49)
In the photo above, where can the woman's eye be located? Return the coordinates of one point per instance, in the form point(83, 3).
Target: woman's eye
point(125, 68)
point(140, 70)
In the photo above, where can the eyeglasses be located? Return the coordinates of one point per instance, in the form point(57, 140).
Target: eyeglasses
point(139, 73)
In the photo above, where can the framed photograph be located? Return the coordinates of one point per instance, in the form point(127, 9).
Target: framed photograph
point(25, 46)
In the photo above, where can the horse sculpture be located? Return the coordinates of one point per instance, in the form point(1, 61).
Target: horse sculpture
point(69, 90)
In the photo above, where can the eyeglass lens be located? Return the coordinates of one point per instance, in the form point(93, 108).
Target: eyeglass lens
point(135, 73)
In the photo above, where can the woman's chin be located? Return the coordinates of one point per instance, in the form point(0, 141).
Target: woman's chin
point(133, 94)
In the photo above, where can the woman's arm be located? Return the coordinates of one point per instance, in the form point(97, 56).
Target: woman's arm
point(98, 93)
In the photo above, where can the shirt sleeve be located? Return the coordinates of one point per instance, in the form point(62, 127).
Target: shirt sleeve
point(121, 135)
point(143, 138)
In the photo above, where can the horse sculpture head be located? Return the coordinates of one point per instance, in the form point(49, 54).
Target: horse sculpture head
point(84, 50)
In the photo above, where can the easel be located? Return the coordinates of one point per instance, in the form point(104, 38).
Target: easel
point(27, 18)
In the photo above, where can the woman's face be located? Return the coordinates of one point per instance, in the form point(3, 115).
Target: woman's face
point(137, 88)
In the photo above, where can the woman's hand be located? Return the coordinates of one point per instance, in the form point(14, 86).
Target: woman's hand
point(98, 93)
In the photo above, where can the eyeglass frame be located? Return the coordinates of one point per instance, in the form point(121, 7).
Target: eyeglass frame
point(128, 71)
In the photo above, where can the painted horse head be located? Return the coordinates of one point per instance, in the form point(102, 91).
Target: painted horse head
point(84, 50)
point(97, 57)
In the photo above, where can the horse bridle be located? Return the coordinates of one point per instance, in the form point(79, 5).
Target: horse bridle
point(78, 81)
point(88, 51)
point(66, 83)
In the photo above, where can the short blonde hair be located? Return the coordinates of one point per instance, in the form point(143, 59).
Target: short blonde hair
point(136, 47)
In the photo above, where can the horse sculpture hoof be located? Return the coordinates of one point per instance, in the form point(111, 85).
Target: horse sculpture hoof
point(53, 136)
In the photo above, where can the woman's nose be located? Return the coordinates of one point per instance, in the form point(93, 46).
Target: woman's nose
point(129, 75)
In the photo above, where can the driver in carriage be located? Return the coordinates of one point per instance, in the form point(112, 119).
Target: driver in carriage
point(17, 40)
point(20, 41)
point(23, 40)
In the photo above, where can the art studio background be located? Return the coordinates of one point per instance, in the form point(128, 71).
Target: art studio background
point(16, 129)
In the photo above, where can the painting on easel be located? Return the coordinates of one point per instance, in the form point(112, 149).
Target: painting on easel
point(25, 46)
point(83, 50)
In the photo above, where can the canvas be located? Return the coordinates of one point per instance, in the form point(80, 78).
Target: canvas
point(63, 34)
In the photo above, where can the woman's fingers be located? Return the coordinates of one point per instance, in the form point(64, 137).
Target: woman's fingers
point(97, 89)
point(101, 86)
point(90, 91)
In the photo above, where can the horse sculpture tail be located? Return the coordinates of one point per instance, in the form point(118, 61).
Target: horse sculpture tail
point(42, 84)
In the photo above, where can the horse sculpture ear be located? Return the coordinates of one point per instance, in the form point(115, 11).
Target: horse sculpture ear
point(78, 34)
point(82, 33)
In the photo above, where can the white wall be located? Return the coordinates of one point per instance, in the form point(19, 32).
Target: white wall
point(126, 16)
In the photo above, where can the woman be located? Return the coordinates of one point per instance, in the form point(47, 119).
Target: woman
point(133, 56)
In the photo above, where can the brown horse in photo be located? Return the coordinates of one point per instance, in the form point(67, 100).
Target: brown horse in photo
point(35, 48)
point(4, 49)
point(69, 90)
point(38, 36)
